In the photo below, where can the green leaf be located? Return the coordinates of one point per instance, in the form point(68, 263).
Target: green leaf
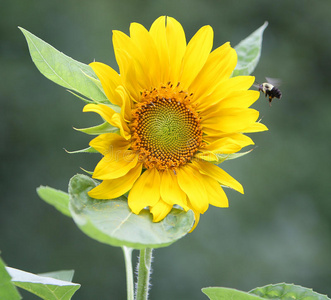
point(65, 275)
point(45, 287)
point(285, 291)
point(249, 51)
point(64, 70)
point(220, 293)
point(112, 222)
point(7, 288)
point(99, 129)
point(57, 198)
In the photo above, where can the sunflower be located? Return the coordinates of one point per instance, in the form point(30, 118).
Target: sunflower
point(180, 111)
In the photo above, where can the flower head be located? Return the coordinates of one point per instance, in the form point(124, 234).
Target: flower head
point(180, 111)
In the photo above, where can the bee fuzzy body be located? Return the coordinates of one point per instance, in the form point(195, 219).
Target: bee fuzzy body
point(270, 91)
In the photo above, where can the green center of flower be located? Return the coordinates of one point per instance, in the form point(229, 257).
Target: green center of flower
point(166, 129)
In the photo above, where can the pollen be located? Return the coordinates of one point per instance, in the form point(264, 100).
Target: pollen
point(166, 129)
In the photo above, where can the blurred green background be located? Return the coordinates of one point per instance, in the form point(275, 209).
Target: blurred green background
point(279, 231)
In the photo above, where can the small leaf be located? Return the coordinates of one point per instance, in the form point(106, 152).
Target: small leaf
point(65, 275)
point(112, 222)
point(85, 150)
point(285, 291)
point(99, 129)
point(45, 287)
point(249, 51)
point(57, 198)
point(7, 288)
point(64, 70)
point(220, 293)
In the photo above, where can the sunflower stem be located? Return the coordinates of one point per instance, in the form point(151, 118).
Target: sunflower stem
point(129, 272)
point(144, 271)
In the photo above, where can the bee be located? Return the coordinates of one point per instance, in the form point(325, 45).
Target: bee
point(269, 89)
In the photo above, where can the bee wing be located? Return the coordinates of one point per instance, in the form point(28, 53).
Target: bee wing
point(274, 81)
point(256, 84)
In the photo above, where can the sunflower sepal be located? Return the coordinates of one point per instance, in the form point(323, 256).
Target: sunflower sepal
point(224, 157)
point(85, 150)
point(113, 223)
point(217, 158)
point(99, 129)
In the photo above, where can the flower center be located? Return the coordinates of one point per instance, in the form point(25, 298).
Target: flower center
point(166, 129)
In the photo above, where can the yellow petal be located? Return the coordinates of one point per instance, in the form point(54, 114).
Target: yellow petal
point(218, 67)
point(239, 138)
point(216, 195)
point(238, 83)
point(196, 219)
point(158, 33)
point(196, 55)
point(112, 117)
point(207, 156)
point(128, 57)
point(218, 174)
point(230, 119)
point(145, 192)
point(109, 79)
point(110, 189)
point(148, 57)
point(241, 99)
point(125, 103)
point(115, 164)
point(170, 191)
point(160, 210)
point(109, 142)
point(177, 46)
point(256, 127)
point(225, 145)
point(189, 180)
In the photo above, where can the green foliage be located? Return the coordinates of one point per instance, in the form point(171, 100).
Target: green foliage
point(57, 198)
point(46, 288)
point(7, 288)
point(280, 291)
point(112, 222)
point(220, 293)
point(285, 291)
point(249, 51)
point(65, 275)
point(64, 70)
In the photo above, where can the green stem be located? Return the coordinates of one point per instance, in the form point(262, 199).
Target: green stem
point(144, 272)
point(129, 273)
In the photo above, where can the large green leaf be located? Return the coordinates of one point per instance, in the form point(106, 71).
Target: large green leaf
point(220, 293)
point(45, 287)
point(7, 288)
point(112, 222)
point(64, 70)
point(57, 198)
point(249, 51)
point(285, 291)
point(65, 275)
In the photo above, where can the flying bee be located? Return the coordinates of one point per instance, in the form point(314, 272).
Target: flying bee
point(269, 89)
